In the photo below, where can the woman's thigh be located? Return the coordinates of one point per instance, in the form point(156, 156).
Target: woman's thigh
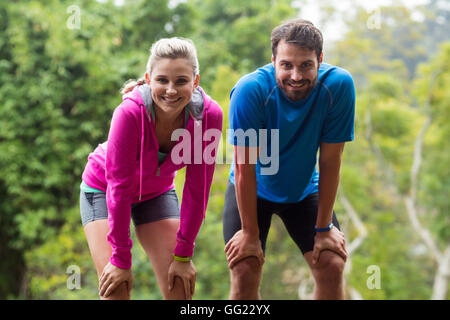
point(158, 239)
point(100, 249)
point(96, 231)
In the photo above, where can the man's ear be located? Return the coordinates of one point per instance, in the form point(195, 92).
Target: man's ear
point(273, 61)
point(321, 58)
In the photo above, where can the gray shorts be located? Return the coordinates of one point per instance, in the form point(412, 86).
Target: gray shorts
point(93, 207)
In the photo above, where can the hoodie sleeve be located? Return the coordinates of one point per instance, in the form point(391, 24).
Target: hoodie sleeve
point(198, 183)
point(121, 167)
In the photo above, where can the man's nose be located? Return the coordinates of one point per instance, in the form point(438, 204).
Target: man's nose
point(296, 75)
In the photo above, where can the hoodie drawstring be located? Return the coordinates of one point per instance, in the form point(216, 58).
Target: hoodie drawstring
point(204, 167)
point(142, 151)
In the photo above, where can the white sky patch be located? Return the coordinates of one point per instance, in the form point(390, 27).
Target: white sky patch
point(335, 28)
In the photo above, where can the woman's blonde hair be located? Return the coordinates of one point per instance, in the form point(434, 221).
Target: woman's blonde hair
point(167, 48)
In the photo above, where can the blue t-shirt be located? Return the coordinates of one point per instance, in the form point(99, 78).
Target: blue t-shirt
point(325, 115)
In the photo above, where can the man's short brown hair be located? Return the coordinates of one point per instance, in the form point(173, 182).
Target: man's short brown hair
point(300, 32)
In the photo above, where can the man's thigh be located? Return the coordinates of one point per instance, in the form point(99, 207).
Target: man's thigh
point(300, 219)
point(232, 220)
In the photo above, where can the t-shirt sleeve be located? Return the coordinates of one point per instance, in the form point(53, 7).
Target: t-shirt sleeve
point(340, 118)
point(246, 115)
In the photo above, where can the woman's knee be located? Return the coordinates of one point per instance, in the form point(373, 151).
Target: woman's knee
point(120, 293)
point(177, 292)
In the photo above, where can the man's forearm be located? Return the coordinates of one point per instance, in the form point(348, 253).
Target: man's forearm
point(246, 190)
point(328, 186)
point(246, 195)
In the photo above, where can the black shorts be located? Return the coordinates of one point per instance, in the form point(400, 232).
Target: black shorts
point(299, 218)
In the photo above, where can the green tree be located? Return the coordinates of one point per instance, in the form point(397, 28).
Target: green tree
point(236, 33)
point(60, 81)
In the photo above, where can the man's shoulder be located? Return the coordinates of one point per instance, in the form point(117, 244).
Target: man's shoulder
point(259, 81)
point(334, 77)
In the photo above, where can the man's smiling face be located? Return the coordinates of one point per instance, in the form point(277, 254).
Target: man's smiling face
point(296, 70)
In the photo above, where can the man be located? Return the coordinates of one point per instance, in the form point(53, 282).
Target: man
point(309, 106)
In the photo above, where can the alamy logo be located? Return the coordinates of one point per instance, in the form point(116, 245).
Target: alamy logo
point(374, 281)
point(74, 21)
point(208, 147)
point(74, 279)
point(269, 161)
point(374, 20)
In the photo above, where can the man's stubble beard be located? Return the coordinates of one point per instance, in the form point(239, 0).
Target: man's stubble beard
point(297, 95)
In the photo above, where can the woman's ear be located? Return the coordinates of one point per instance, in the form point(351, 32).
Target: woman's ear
point(196, 81)
point(147, 78)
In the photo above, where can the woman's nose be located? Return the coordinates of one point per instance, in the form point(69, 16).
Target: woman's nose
point(171, 89)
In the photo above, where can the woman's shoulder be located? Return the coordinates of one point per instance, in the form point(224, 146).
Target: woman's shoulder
point(211, 106)
point(131, 102)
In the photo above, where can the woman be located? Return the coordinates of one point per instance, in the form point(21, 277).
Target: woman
point(132, 175)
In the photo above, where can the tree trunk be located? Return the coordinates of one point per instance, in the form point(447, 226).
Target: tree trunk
point(442, 276)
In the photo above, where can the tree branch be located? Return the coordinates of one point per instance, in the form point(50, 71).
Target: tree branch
point(423, 232)
point(356, 243)
point(353, 245)
point(443, 259)
point(440, 285)
point(410, 200)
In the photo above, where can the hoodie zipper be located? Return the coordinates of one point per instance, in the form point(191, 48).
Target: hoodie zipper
point(157, 158)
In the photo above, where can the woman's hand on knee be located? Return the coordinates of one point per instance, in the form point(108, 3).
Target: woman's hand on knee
point(112, 277)
point(187, 273)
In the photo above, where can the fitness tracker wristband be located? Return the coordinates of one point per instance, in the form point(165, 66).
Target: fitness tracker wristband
point(324, 229)
point(182, 259)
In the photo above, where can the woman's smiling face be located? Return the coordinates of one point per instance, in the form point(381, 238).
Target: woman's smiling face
point(172, 83)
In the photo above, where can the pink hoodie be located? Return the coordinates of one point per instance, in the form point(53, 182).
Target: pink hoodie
point(126, 168)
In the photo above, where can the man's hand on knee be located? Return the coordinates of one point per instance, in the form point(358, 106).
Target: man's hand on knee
point(333, 240)
point(243, 245)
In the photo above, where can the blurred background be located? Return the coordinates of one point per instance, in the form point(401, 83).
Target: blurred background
point(62, 64)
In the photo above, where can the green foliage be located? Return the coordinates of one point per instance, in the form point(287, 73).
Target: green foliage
point(49, 263)
point(435, 175)
point(60, 86)
point(210, 245)
point(236, 33)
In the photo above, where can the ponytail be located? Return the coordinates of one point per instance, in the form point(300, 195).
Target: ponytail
point(131, 84)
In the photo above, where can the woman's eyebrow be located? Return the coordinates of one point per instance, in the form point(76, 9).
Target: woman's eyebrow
point(166, 76)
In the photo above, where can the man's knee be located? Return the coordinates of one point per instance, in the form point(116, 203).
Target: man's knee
point(330, 267)
point(247, 269)
point(245, 279)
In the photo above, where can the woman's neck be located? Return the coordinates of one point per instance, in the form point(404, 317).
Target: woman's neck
point(168, 119)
